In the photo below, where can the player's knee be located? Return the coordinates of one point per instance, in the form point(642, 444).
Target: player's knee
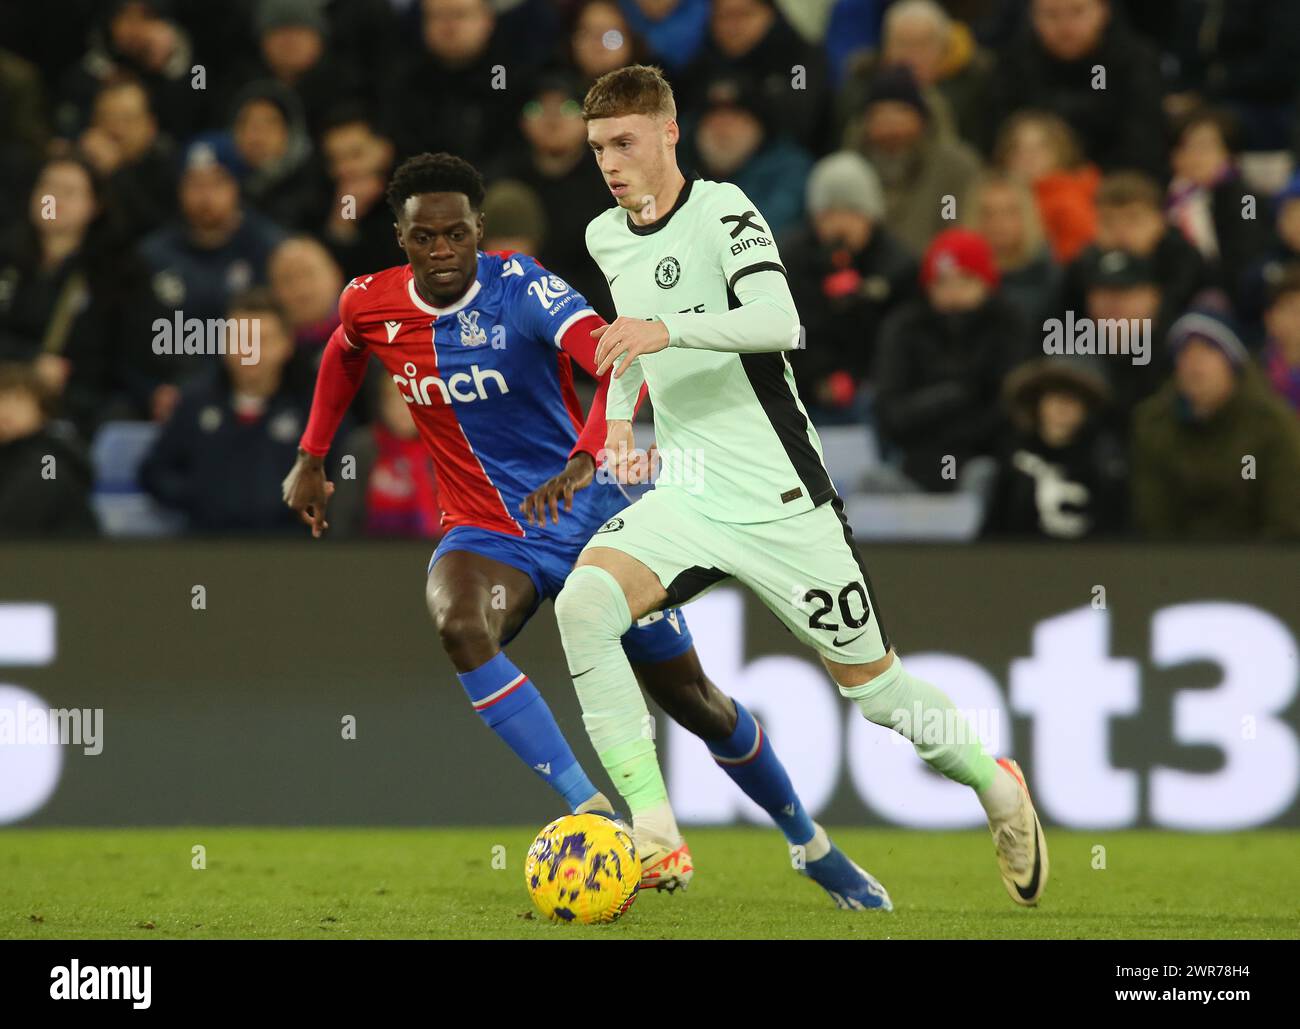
point(588, 605)
point(465, 635)
point(573, 605)
point(860, 675)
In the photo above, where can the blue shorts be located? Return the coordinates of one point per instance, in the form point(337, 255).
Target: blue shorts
point(547, 560)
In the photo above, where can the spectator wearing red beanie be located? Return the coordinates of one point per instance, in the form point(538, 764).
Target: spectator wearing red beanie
point(959, 252)
point(941, 360)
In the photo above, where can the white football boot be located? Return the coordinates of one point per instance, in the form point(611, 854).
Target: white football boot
point(1021, 846)
point(665, 864)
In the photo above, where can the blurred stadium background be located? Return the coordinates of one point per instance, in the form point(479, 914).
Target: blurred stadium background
point(215, 158)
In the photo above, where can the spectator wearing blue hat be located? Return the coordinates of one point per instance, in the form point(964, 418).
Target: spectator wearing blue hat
point(1215, 454)
point(218, 247)
point(215, 250)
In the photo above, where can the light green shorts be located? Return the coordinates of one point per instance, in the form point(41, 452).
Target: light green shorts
point(805, 568)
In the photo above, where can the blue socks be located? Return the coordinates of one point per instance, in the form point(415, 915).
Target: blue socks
point(509, 703)
point(747, 756)
point(513, 709)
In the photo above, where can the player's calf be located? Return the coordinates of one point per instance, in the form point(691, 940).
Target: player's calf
point(945, 740)
point(688, 696)
point(592, 614)
point(470, 629)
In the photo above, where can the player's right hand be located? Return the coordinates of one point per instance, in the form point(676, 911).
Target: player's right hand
point(307, 491)
point(577, 474)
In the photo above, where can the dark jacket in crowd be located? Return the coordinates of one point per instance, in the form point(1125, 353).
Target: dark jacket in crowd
point(177, 105)
point(432, 106)
point(1116, 125)
point(326, 86)
point(1177, 265)
point(220, 470)
point(803, 113)
point(372, 249)
point(962, 97)
point(45, 484)
point(1241, 54)
point(201, 282)
point(1059, 493)
point(938, 382)
point(95, 311)
point(1241, 240)
point(1190, 478)
point(842, 299)
point(146, 189)
point(1034, 288)
point(1266, 269)
point(291, 191)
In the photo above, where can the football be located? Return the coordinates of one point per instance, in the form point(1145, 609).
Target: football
point(582, 868)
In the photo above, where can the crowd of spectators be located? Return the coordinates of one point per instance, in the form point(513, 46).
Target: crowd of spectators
point(953, 183)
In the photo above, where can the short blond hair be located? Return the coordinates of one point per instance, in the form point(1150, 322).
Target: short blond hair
point(636, 89)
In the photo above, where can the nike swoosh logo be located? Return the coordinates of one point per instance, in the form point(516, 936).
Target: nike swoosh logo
point(845, 643)
point(580, 674)
point(611, 281)
point(1027, 892)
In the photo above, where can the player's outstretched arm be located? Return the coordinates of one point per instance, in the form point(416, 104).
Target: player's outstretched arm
point(765, 321)
point(578, 474)
point(305, 488)
point(764, 317)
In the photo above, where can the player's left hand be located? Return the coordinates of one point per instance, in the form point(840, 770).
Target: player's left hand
point(577, 474)
point(630, 336)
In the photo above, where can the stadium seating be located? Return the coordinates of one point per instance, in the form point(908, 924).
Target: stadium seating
point(123, 508)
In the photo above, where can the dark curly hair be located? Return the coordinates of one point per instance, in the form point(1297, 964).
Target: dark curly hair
point(434, 173)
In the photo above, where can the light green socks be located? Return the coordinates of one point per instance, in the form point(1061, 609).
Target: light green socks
point(943, 737)
point(593, 616)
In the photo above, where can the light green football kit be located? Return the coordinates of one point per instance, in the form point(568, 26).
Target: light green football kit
point(742, 493)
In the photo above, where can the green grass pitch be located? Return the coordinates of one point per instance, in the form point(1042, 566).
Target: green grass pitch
point(438, 883)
